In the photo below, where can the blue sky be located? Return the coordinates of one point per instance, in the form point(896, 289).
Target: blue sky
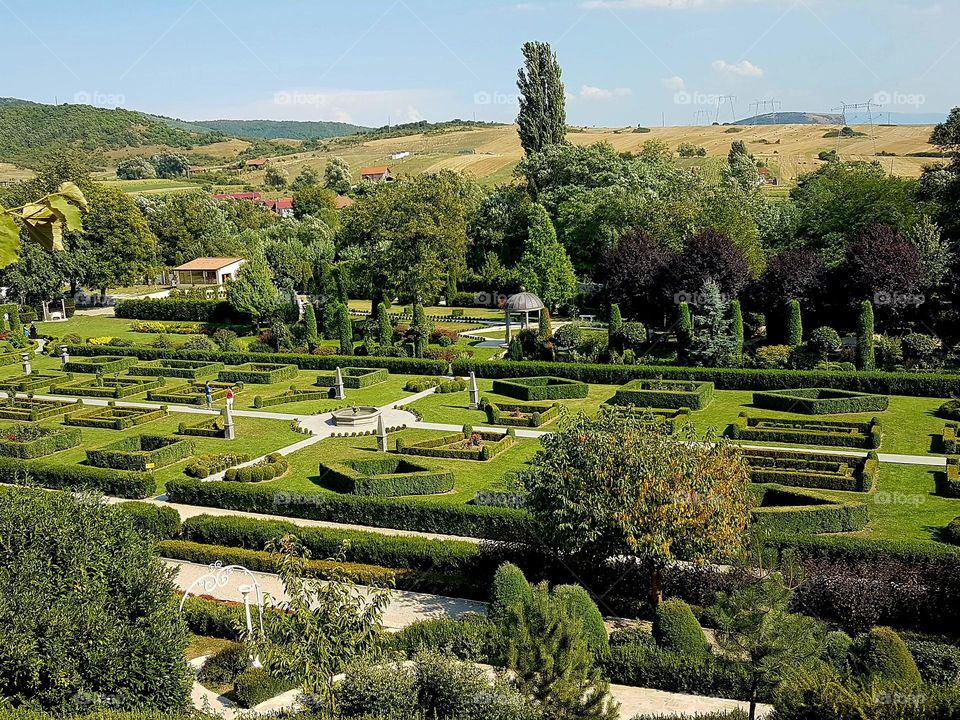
point(369, 61)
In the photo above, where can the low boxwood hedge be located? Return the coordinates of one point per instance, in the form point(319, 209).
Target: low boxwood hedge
point(812, 469)
point(449, 584)
point(194, 393)
point(882, 383)
point(820, 401)
point(353, 377)
point(786, 510)
point(188, 369)
point(385, 476)
point(141, 452)
point(107, 364)
point(58, 476)
point(949, 440)
point(672, 420)
point(540, 388)
point(33, 410)
point(206, 465)
point(830, 433)
point(209, 427)
point(505, 524)
point(108, 387)
point(520, 414)
point(952, 476)
point(33, 381)
point(403, 366)
point(34, 441)
point(270, 468)
point(658, 393)
point(258, 373)
point(114, 418)
point(291, 395)
point(178, 308)
point(256, 685)
point(475, 445)
point(152, 520)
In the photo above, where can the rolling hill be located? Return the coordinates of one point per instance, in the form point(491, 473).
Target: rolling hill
point(278, 129)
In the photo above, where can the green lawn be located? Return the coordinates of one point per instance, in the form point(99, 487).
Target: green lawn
point(378, 395)
point(470, 475)
point(92, 326)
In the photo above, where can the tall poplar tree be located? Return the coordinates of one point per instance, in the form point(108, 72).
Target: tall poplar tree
point(543, 115)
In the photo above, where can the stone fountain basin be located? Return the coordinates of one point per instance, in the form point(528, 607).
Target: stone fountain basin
point(356, 416)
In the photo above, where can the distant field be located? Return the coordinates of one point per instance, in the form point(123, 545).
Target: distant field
point(146, 187)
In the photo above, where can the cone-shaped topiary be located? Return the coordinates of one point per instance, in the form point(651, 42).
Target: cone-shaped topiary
point(676, 629)
point(865, 354)
point(310, 326)
point(794, 326)
point(580, 604)
point(684, 332)
point(881, 655)
point(509, 592)
point(736, 326)
point(615, 329)
point(384, 326)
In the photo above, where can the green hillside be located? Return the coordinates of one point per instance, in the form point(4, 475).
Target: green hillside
point(30, 131)
point(277, 129)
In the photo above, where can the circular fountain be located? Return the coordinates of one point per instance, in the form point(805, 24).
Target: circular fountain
point(356, 416)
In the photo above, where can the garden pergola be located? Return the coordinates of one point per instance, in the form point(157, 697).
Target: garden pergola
point(523, 302)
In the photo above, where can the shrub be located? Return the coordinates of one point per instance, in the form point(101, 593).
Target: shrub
point(467, 639)
point(32, 441)
point(258, 373)
point(200, 342)
point(223, 667)
point(206, 465)
point(920, 351)
point(794, 328)
point(58, 476)
point(820, 401)
point(836, 649)
point(468, 445)
point(952, 531)
point(540, 388)
point(141, 452)
point(888, 352)
point(353, 377)
point(509, 592)
point(153, 521)
point(271, 467)
point(190, 369)
point(784, 510)
point(255, 685)
point(950, 410)
point(664, 394)
point(520, 415)
point(866, 359)
point(833, 433)
point(881, 655)
point(178, 308)
point(581, 605)
point(675, 629)
point(387, 688)
point(824, 340)
point(937, 662)
point(387, 476)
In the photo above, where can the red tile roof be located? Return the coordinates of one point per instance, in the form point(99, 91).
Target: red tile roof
point(374, 171)
point(208, 263)
point(258, 162)
point(238, 196)
point(342, 201)
point(281, 204)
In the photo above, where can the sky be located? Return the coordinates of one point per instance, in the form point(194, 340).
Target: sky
point(374, 62)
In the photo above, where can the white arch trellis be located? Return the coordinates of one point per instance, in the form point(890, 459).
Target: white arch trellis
point(218, 576)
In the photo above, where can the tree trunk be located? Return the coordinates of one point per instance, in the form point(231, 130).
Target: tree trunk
point(656, 587)
point(753, 698)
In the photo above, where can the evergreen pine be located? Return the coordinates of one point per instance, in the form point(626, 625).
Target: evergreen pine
point(714, 342)
point(310, 326)
point(384, 326)
point(615, 329)
point(736, 316)
point(684, 332)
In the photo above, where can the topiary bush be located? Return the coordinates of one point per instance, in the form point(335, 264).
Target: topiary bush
point(255, 685)
point(581, 605)
point(881, 656)
point(952, 532)
point(676, 629)
point(509, 592)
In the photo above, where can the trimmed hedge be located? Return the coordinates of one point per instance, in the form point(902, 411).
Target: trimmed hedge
point(270, 468)
point(33, 409)
point(207, 465)
point(262, 561)
point(505, 524)
point(52, 440)
point(209, 427)
point(882, 383)
point(785, 510)
point(813, 470)
point(385, 476)
point(114, 418)
point(141, 452)
point(493, 444)
point(258, 373)
point(154, 521)
point(403, 366)
point(108, 387)
point(657, 393)
point(676, 629)
point(820, 401)
point(832, 433)
point(107, 364)
point(353, 377)
point(256, 685)
point(177, 308)
point(33, 381)
point(949, 441)
point(540, 388)
point(58, 476)
point(952, 476)
point(520, 415)
point(188, 369)
point(673, 420)
point(290, 396)
point(193, 393)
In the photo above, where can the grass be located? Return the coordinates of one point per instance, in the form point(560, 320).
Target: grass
point(203, 646)
point(378, 395)
point(93, 326)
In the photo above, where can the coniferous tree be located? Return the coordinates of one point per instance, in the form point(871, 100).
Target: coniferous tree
point(684, 332)
point(310, 325)
point(384, 327)
point(545, 268)
point(714, 343)
point(543, 117)
point(794, 329)
point(344, 328)
point(865, 354)
point(736, 316)
point(615, 329)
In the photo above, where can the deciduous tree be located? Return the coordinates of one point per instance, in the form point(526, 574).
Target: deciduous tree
point(543, 117)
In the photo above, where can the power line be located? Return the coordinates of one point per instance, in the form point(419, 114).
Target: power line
point(868, 106)
point(774, 105)
point(721, 99)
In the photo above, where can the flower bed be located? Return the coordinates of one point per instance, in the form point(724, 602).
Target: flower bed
point(32, 409)
point(189, 369)
point(520, 415)
point(784, 510)
point(820, 401)
point(353, 377)
point(813, 470)
point(258, 373)
point(833, 433)
point(209, 427)
point(384, 476)
point(657, 393)
point(540, 388)
point(108, 387)
point(207, 465)
point(114, 418)
point(193, 393)
point(270, 468)
point(141, 452)
point(33, 381)
point(290, 396)
point(468, 445)
point(672, 420)
point(103, 363)
point(28, 441)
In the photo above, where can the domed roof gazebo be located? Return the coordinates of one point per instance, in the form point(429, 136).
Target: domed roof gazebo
point(523, 302)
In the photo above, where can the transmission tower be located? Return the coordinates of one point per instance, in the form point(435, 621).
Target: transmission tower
point(701, 117)
point(868, 106)
point(762, 105)
point(721, 99)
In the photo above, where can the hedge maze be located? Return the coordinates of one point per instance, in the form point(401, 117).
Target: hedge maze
point(192, 393)
point(671, 420)
point(292, 395)
point(468, 445)
point(34, 409)
point(529, 415)
point(29, 441)
point(258, 373)
point(657, 393)
point(105, 364)
point(33, 381)
point(187, 369)
point(820, 401)
point(109, 387)
point(540, 388)
point(789, 511)
point(114, 418)
point(209, 427)
point(831, 433)
point(385, 476)
point(141, 452)
point(813, 470)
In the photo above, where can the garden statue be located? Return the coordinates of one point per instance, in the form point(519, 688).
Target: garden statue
point(25, 359)
point(341, 394)
point(474, 392)
point(381, 435)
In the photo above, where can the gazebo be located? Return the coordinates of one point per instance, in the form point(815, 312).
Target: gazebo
point(523, 302)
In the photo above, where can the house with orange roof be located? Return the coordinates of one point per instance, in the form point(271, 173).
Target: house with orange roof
point(376, 174)
point(207, 271)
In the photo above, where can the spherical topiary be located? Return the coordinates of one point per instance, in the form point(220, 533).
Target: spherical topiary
point(952, 531)
point(580, 604)
point(676, 629)
point(882, 655)
point(509, 592)
point(950, 410)
point(836, 649)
